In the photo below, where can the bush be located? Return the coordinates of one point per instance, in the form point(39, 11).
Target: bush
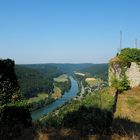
point(120, 84)
point(130, 55)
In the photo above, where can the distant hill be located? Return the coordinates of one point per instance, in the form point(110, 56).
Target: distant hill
point(57, 68)
point(97, 70)
point(47, 69)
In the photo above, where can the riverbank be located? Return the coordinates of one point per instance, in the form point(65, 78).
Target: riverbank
point(62, 83)
point(65, 98)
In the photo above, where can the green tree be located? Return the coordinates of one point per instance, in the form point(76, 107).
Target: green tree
point(9, 89)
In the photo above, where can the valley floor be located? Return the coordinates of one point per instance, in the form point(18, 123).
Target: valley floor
point(126, 124)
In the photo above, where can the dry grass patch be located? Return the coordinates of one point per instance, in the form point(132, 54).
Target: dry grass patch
point(91, 81)
point(57, 93)
point(128, 105)
point(127, 116)
point(61, 78)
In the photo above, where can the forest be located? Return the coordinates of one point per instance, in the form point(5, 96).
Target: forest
point(37, 78)
point(32, 82)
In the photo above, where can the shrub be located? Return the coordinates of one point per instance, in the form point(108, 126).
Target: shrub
point(120, 84)
point(130, 55)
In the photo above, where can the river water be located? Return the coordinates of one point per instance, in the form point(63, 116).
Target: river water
point(37, 114)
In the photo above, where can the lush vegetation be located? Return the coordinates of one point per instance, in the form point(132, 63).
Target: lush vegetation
point(14, 114)
point(122, 61)
point(126, 56)
point(80, 80)
point(9, 89)
point(130, 55)
point(70, 68)
point(63, 83)
point(99, 70)
point(32, 82)
point(120, 84)
point(92, 112)
point(48, 69)
point(39, 101)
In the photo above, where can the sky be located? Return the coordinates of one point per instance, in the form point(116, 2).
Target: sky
point(67, 31)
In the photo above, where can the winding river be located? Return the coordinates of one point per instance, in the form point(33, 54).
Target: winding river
point(37, 114)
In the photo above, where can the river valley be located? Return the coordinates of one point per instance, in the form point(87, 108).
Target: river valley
point(37, 114)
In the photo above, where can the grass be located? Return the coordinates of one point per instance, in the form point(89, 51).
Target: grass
point(61, 78)
point(127, 116)
point(74, 111)
point(39, 97)
point(92, 81)
point(128, 105)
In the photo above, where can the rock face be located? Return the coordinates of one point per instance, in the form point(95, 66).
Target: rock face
point(132, 73)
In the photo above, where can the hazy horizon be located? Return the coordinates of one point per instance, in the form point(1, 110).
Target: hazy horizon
point(57, 63)
point(66, 31)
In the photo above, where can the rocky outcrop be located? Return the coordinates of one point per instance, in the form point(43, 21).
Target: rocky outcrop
point(132, 73)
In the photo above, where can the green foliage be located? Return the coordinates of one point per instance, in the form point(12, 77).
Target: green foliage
point(9, 89)
point(130, 55)
point(123, 84)
point(8, 94)
point(120, 84)
point(63, 82)
point(50, 70)
point(33, 82)
point(14, 113)
point(80, 79)
point(39, 101)
point(92, 112)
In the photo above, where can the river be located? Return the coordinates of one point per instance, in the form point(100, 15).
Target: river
point(37, 114)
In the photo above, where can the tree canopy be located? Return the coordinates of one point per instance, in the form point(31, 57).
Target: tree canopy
point(130, 55)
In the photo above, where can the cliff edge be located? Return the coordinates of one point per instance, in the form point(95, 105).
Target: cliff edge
point(124, 69)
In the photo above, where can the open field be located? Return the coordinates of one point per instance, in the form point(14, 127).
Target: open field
point(56, 93)
point(127, 116)
point(92, 81)
point(128, 105)
point(61, 78)
point(39, 97)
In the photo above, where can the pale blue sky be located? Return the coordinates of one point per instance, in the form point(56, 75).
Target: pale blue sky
point(71, 31)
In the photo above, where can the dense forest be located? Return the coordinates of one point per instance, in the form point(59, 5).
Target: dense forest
point(55, 69)
point(47, 69)
point(32, 82)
